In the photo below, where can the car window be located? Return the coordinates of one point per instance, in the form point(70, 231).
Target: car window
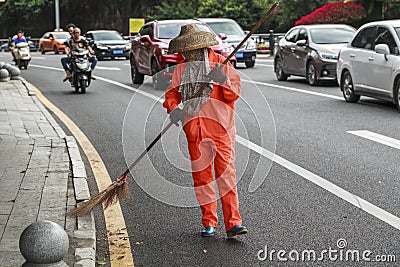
point(104, 36)
point(226, 27)
point(385, 37)
point(365, 38)
point(61, 35)
point(291, 36)
point(169, 31)
point(331, 35)
point(397, 30)
point(147, 30)
point(302, 35)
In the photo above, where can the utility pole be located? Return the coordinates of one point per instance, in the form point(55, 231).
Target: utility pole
point(57, 14)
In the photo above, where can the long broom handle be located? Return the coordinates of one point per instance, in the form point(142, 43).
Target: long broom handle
point(259, 23)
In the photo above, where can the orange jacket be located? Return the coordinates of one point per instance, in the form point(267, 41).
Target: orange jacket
point(216, 118)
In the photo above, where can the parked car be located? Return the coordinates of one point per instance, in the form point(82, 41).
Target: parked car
point(231, 32)
point(311, 51)
point(149, 51)
point(108, 43)
point(4, 47)
point(32, 45)
point(370, 64)
point(53, 41)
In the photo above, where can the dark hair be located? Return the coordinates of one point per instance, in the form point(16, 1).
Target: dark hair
point(69, 25)
point(20, 31)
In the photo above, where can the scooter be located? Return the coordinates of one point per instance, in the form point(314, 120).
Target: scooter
point(81, 70)
point(22, 55)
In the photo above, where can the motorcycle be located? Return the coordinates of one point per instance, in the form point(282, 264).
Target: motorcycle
point(22, 55)
point(81, 70)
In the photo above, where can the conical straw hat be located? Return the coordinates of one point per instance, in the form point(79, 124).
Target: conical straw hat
point(191, 38)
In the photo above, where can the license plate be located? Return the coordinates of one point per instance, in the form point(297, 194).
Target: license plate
point(239, 54)
point(118, 52)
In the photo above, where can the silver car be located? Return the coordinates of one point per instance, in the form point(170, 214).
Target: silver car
point(370, 64)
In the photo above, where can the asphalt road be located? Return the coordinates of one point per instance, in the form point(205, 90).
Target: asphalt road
point(328, 190)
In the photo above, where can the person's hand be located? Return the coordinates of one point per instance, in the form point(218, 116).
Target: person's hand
point(217, 74)
point(176, 115)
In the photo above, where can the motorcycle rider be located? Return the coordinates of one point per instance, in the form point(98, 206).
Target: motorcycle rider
point(65, 60)
point(76, 42)
point(19, 38)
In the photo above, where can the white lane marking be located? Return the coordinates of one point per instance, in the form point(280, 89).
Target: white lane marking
point(265, 65)
point(317, 180)
point(38, 57)
point(107, 68)
point(294, 89)
point(377, 138)
point(330, 187)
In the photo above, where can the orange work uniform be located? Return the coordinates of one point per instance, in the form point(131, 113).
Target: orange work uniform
point(211, 139)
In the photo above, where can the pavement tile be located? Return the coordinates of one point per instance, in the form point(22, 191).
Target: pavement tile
point(6, 207)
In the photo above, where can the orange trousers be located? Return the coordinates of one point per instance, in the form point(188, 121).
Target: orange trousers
point(220, 152)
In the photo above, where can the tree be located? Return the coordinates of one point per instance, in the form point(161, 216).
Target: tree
point(337, 12)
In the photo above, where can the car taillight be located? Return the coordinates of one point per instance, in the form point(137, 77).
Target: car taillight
point(338, 55)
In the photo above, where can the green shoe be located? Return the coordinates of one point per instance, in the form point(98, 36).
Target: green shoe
point(237, 230)
point(209, 231)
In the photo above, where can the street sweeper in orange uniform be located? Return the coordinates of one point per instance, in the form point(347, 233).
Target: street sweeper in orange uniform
point(208, 121)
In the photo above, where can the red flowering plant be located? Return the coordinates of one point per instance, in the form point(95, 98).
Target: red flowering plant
point(337, 12)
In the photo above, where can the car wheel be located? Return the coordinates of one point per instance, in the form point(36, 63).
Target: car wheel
point(55, 49)
point(396, 95)
point(159, 81)
point(250, 64)
point(137, 78)
point(312, 74)
point(348, 88)
point(280, 74)
point(42, 50)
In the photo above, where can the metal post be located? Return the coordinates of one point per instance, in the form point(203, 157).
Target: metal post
point(57, 14)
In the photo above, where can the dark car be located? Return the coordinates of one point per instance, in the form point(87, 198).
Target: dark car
point(231, 32)
point(311, 51)
point(149, 51)
point(108, 44)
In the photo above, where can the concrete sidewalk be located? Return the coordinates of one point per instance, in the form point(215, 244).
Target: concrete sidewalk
point(41, 177)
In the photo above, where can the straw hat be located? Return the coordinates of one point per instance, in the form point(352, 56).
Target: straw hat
point(191, 38)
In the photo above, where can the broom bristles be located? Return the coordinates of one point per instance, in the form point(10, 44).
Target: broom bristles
point(117, 190)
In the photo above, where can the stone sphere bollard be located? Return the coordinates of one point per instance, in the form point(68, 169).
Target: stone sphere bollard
point(44, 243)
point(14, 72)
point(7, 66)
point(2, 63)
point(4, 75)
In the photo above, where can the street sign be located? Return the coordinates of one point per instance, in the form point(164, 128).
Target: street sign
point(135, 24)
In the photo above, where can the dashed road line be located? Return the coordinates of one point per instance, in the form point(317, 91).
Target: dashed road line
point(377, 138)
